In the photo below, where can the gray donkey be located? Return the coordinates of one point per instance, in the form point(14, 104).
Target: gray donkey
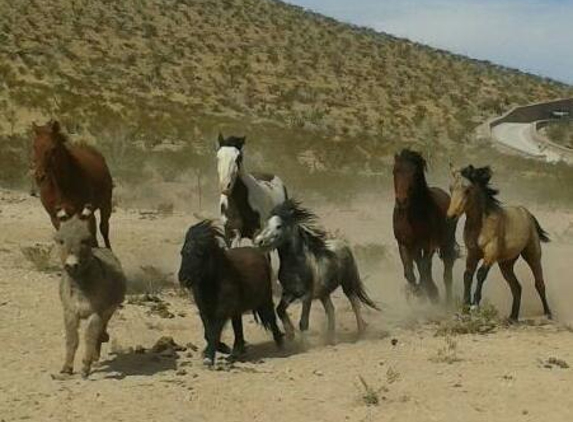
point(92, 288)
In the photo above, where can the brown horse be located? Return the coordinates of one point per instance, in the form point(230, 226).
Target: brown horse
point(495, 234)
point(420, 224)
point(71, 177)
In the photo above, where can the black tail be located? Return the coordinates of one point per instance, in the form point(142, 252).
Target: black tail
point(543, 235)
point(352, 283)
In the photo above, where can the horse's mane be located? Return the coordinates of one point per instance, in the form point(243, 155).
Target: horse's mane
point(292, 213)
point(481, 177)
point(413, 157)
point(203, 242)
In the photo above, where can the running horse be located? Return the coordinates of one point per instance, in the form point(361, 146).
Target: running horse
point(71, 177)
point(421, 226)
point(494, 233)
point(246, 198)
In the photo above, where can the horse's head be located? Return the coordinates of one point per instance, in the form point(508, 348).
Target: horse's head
point(229, 161)
point(47, 139)
point(203, 242)
point(74, 240)
point(283, 224)
point(409, 167)
point(461, 190)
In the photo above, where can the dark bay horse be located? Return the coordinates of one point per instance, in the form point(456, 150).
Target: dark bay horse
point(421, 226)
point(312, 266)
point(494, 233)
point(71, 177)
point(246, 198)
point(225, 284)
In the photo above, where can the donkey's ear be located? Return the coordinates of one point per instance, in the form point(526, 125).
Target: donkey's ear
point(55, 125)
point(62, 215)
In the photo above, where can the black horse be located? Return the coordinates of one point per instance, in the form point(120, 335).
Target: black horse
point(225, 284)
point(312, 267)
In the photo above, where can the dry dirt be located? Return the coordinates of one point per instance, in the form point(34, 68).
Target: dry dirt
point(413, 374)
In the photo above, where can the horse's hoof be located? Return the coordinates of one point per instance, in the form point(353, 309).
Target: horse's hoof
point(208, 362)
point(474, 307)
point(85, 373)
point(223, 348)
point(67, 370)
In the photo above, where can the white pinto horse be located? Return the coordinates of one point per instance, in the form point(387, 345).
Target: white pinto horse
point(247, 199)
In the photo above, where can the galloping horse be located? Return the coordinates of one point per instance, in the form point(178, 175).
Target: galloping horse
point(71, 178)
point(225, 284)
point(246, 198)
point(312, 266)
point(420, 224)
point(495, 234)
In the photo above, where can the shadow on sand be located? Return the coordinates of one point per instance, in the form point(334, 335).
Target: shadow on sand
point(132, 363)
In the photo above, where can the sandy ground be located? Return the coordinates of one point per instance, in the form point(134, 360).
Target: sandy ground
point(496, 377)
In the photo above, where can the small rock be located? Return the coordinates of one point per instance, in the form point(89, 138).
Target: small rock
point(558, 362)
point(167, 343)
point(192, 346)
point(525, 412)
point(181, 314)
point(181, 372)
point(318, 373)
point(394, 341)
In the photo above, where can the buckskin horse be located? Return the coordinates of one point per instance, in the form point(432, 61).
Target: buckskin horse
point(71, 177)
point(494, 233)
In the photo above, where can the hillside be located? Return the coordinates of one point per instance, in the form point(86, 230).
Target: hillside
point(134, 74)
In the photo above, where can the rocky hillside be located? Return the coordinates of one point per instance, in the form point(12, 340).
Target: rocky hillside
point(133, 75)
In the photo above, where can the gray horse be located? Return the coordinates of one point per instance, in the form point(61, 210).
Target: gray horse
point(92, 288)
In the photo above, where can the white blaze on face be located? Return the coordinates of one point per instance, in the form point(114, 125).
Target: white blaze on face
point(271, 232)
point(227, 168)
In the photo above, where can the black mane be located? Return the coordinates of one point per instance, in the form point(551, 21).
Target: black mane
point(293, 214)
point(413, 157)
point(201, 255)
point(232, 141)
point(481, 177)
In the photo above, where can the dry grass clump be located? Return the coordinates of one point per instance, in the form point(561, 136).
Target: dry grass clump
point(41, 256)
point(482, 320)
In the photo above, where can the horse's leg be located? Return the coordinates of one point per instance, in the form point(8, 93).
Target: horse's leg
point(239, 345)
point(428, 279)
point(286, 300)
point(481, 277)
point(72, 323)
point(221, 347)
point(93, 230)
point(95, 326)
point(357, 308)
point(448, 277)
point(533, 258)
point(507, 271)
point(214, 330)
point(408, 262)
point(472, 261)
point(304, 318)
point(105, 214)
point(268, 315)
point(329, 309)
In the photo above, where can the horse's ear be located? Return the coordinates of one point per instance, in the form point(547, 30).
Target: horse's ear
point(62, 215)
point(220, 139)
point(55, 125)
point(241, 142)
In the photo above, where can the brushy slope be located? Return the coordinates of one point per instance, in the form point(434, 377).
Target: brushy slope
point(134, 75)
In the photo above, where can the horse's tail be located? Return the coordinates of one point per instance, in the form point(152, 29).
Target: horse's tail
point(543, 235)
point(352, 284)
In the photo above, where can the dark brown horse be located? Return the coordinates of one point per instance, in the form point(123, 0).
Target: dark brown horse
point(421, 226)
point(71, 177)
point(225, 284)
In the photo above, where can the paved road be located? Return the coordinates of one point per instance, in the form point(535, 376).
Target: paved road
point(519, 136)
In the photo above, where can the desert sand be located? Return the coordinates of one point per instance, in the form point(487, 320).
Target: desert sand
point(504, 375)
